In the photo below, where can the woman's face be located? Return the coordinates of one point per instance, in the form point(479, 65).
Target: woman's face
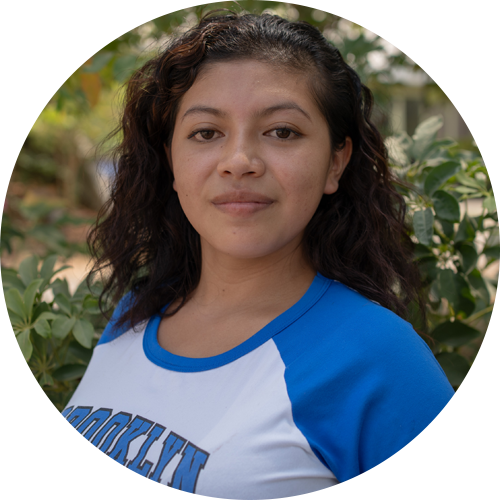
point(251, 158)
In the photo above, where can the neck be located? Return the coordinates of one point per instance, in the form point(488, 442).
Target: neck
point(227, 284)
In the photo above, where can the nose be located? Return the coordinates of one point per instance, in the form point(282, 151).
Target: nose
point(241, 158)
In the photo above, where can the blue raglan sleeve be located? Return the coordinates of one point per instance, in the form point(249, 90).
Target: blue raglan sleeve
point(433, 450)
point(112, 332)
point(363, 387)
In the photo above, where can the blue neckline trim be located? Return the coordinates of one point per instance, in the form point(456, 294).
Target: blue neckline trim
point(161, 357)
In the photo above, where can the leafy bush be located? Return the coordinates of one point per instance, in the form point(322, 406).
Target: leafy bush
point(56, 330)
point(454, 248)
point(44, 223)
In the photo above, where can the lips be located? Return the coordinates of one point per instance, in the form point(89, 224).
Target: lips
point(241, 197)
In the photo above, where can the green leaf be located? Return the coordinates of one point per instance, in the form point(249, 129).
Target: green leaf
point(63, 302)
point(29, 295)
point(439, 175)
point(83, 332)
point(464, 179)
point(16, 321)
point(69, 372)
point(47, 316)
point(124, 66)
point(98, 62)
point(23, 339)
point(423, 221)
point(454, 366)
point(28, 270)
point(43, 329)
point(467, 305)
point(60, 286)
point(46, 379)
point(10, 279)
point(422, 251)
point(80, 352)
point(478, 284)
point(82, 291)
point(493, 252)
point(466, 230)
point(48, 267)
point(454, 333)
point(465, 190)
point(428, 128)
point(61, 326)
point(47, 279)
point(447, 287)
point(91, 305)
point(15, 303)
point(39, 308)
point(428, 268)
point(448, 228)
point(468, 256)
point(425, 135)
point(446, 206)
point(489, 204)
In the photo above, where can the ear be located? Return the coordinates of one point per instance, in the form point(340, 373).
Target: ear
point(168, 153)
point(338, 163)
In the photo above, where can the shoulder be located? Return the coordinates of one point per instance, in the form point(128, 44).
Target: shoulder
point(345, 324)
point(112, 331)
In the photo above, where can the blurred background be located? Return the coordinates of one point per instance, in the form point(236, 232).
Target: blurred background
point(60, 179)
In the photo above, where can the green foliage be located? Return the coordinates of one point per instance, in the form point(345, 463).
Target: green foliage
point(454, 246)
point(44, 223)
point(115, 62)
point(9, 231)
point(56, 330)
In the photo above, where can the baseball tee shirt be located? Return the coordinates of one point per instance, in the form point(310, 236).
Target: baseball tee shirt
point(329, 389)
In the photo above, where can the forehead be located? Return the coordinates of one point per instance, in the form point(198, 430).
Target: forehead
point(247, 85)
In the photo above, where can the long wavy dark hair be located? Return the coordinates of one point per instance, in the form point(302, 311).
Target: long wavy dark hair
point(142, 239)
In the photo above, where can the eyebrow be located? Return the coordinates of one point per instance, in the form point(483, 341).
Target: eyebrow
point(289, 105)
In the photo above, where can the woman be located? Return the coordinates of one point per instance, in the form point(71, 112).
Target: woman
point(254, 220)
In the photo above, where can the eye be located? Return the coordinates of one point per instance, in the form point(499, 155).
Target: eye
point(283, 133)
point(205, 135)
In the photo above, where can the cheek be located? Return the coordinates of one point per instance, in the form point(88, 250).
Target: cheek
point(305, 184)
